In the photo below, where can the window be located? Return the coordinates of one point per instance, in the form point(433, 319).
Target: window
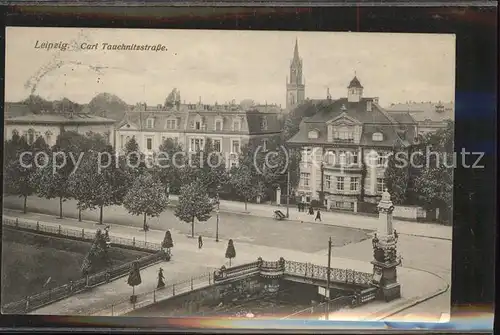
point(328, 180)
point(340, 183)
point(218, 125)
point(263, 123)
point(196, 144)
point(381, 185)
point(330, 157)
point(236, 125)
point(313, 134)
point(354, 183)
point(304, 178)
point(149, 123)
point(217, 145)
point(355, 158)
point(381, 160)
point(48, 137)
point(235, 147)
point(171, 124)
point(377, 137)
point(149, 143)
point(31, 136)
point(343, 133)
point(197, 125)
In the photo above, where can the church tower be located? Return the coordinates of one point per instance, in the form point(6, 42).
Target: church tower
point(295, 86)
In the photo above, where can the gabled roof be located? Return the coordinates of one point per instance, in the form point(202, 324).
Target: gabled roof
point(355, 83)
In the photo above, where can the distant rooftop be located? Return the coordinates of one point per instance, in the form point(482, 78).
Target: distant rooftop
point(426, 111)
point(54, 118)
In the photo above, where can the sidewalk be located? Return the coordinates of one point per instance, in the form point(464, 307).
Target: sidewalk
point(338, 219)
point(189, 261)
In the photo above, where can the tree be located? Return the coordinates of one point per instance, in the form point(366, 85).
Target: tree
point(97, 189)
point(194, 203)
point(21, 179)
point(433, 184)
point(396, 179)
point(134, 278)
point(246, 182)
point(146, 197)
point(97, 257)
point(167, 241)
point(230, 251)
point(168, 167)
point(134, 158)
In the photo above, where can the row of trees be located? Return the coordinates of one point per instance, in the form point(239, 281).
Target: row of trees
point(427, 179)
point(69, 170)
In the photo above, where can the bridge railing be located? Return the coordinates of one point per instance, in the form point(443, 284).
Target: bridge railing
point(124, 306)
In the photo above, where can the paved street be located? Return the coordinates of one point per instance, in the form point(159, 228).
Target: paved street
point(239, 227)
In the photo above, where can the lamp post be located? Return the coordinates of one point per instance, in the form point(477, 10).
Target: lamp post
point(288, 193)
point(217, 212)
point(328, 271)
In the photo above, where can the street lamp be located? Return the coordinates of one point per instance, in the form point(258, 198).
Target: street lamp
point(217, 212)
point(328, 271)
point(288, 192)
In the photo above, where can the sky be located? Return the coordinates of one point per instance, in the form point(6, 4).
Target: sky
point(219, 66)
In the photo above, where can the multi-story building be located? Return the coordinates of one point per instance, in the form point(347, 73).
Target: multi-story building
point(229, 126)
point(295, 83)
point(430, 116)
point(50, 125)
point(345, 146)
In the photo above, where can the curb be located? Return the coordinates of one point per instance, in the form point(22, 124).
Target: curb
point(413, 302)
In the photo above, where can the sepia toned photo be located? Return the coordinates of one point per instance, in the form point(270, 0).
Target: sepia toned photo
point(228, 174)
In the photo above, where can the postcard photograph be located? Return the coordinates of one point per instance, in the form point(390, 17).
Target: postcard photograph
point(228, 174)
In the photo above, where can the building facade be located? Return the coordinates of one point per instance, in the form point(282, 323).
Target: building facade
point(345, 147)
point(50, 125)
point(228, 126)
point(431, 116)
point(295, 82)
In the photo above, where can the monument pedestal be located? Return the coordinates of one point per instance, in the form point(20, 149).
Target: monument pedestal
point(385, 276)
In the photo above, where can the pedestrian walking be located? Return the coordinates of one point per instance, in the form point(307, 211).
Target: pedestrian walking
point(311, 210)
point(161, 283)
point(318, 216)
point(396, 236)
point(298, 206)
point(200, 242)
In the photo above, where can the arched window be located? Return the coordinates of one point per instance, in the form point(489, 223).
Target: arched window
point(377, 137)
point(48, 136)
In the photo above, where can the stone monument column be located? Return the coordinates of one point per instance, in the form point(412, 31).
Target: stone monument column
point(384, 253)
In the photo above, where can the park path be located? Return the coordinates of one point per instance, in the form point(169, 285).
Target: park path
point(188, 261)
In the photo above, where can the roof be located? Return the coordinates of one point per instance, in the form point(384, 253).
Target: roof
point(355, 83)
point(14, 109)
point(397, 130)
point(53, 118)
point(422, 111)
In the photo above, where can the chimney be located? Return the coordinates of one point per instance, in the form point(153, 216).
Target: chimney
point(368, 105)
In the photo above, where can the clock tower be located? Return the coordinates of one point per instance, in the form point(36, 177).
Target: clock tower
point(295, 85)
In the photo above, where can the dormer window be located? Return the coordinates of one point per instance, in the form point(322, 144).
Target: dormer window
point(236, 125)
point(218, 124)
point(313, 134)
point(377, 137)
point(263, 123)
point(150, 123)
point(171, 124)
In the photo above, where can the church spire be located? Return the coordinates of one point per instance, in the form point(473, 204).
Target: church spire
point(296, 51)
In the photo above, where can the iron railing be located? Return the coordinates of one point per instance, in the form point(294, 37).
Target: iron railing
point(80, 234)
point(124, 306)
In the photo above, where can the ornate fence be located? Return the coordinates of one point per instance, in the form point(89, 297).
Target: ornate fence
point(80, 234)
point(39, 300)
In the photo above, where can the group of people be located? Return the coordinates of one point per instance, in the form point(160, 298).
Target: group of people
point(302, 208)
